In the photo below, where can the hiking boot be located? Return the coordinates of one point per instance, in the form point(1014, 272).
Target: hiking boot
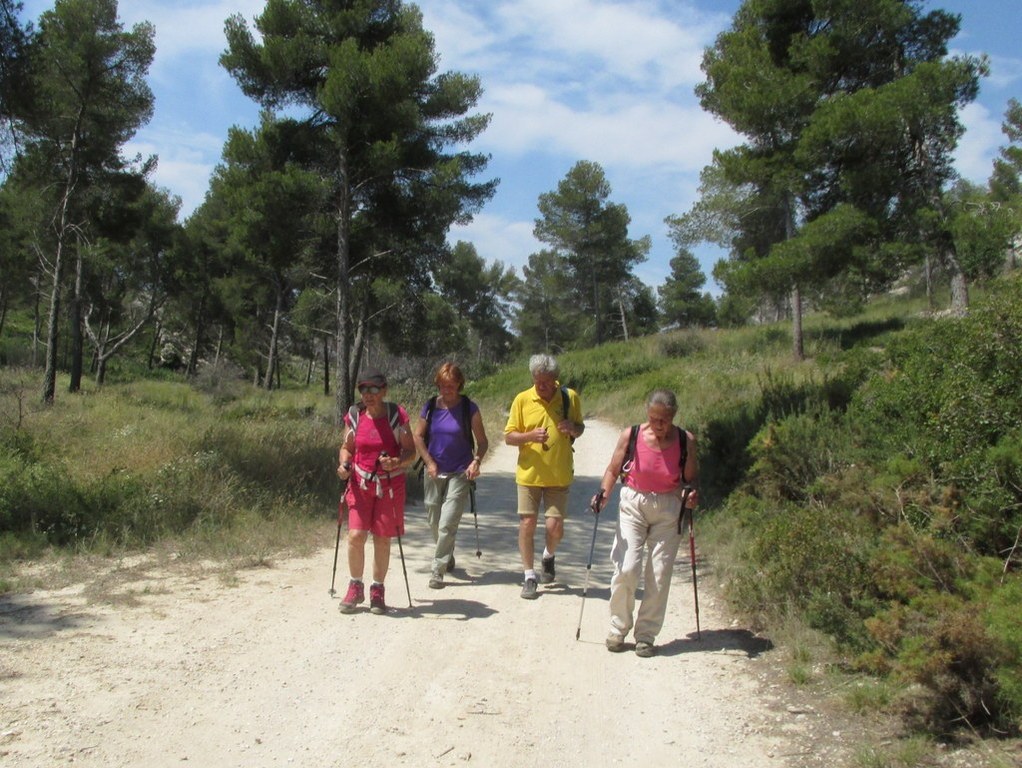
point(529, 590)
point(376, 604)
point(436, 580)
point(355, 596)
point(548, 573)
point(615, 643)
point(644, 649)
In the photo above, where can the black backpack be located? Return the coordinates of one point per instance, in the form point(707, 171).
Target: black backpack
point(466, 419)
point(466, 427)
point(565, 404)
point(630, 451)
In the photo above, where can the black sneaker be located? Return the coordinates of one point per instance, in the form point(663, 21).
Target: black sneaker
point(548, 570)
point(530, 590)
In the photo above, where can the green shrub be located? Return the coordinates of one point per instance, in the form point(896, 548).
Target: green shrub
point(791, 455)
point(939, 641)
point(1004, 624)
point(680, 344)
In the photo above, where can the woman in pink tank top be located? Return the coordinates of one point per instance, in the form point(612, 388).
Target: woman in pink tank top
point(657, 462)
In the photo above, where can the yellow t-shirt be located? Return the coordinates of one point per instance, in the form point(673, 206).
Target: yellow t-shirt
point(554, 467)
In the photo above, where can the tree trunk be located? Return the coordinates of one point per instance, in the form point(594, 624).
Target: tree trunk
point(52, 321)
point(359, 348)
point(4, 293)
point(219, 346)
point(797, 337)
point(326, 366)
point(37, 320)
point(624, 321)
point(596, 307)
point(959, 285)
point(157, 335)
point(343, 391)
point(271, 357)
point(50, 372)
point(928, 271)
point(197, 339)
point(77, 337)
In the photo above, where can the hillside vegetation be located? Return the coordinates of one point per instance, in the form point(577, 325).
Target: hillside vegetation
point(873, 492)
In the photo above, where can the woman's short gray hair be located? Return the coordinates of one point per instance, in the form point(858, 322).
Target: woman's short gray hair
point(663, 397)
point(543, 364)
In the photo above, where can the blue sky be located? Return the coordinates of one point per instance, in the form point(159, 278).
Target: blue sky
point(610, 81)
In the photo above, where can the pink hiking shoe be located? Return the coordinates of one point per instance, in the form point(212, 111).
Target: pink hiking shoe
point(356, 596)
point(376, 603)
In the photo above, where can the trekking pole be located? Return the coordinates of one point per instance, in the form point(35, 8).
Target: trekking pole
point(692, 551)
point(472, 500)
point(337, 544)
point(408, 589)
point(595, 509)
point(400, 547)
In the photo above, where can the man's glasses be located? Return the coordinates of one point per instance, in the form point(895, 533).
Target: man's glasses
point(368, 390)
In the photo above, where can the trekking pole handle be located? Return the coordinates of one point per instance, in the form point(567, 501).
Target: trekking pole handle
point(596, 503)
point(686, 493)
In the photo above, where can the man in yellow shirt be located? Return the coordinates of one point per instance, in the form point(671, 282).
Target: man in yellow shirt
point(543, 423)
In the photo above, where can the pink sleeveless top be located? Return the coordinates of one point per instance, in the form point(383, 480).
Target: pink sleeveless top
point(655, 471)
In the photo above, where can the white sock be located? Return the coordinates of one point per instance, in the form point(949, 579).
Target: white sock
point(547, 554)
point(530, 574)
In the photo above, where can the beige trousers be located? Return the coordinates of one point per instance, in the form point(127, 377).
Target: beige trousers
point(647, 530)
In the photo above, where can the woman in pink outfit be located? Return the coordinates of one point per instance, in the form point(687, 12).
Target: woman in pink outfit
point(660, 471)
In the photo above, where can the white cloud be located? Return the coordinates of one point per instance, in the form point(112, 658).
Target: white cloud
point(1005, 72)
point(186, 160)
point(499, 239)
point(187, 28)
point(978, 147)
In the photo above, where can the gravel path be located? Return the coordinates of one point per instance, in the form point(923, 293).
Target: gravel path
point(264, 670)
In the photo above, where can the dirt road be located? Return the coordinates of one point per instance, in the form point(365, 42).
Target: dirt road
point(264, 670)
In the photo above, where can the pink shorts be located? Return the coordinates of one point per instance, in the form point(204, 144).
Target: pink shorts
point(380, 515)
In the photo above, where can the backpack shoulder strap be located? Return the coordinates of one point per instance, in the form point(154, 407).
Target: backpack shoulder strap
point(626, 465)
point(430, 407)
point(394, 417)
point(566, 405)
point(683, 456)
point(354, 413)
point(466, 420)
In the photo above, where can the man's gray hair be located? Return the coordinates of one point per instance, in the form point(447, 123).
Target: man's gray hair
point(543, 364)
point(664, 397)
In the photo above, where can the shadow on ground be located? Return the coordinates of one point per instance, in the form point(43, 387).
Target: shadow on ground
point(717, 640)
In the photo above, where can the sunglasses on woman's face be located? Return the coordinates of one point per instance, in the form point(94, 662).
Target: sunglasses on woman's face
point(367, 390)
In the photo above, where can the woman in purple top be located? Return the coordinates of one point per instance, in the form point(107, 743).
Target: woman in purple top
point(444, 435)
